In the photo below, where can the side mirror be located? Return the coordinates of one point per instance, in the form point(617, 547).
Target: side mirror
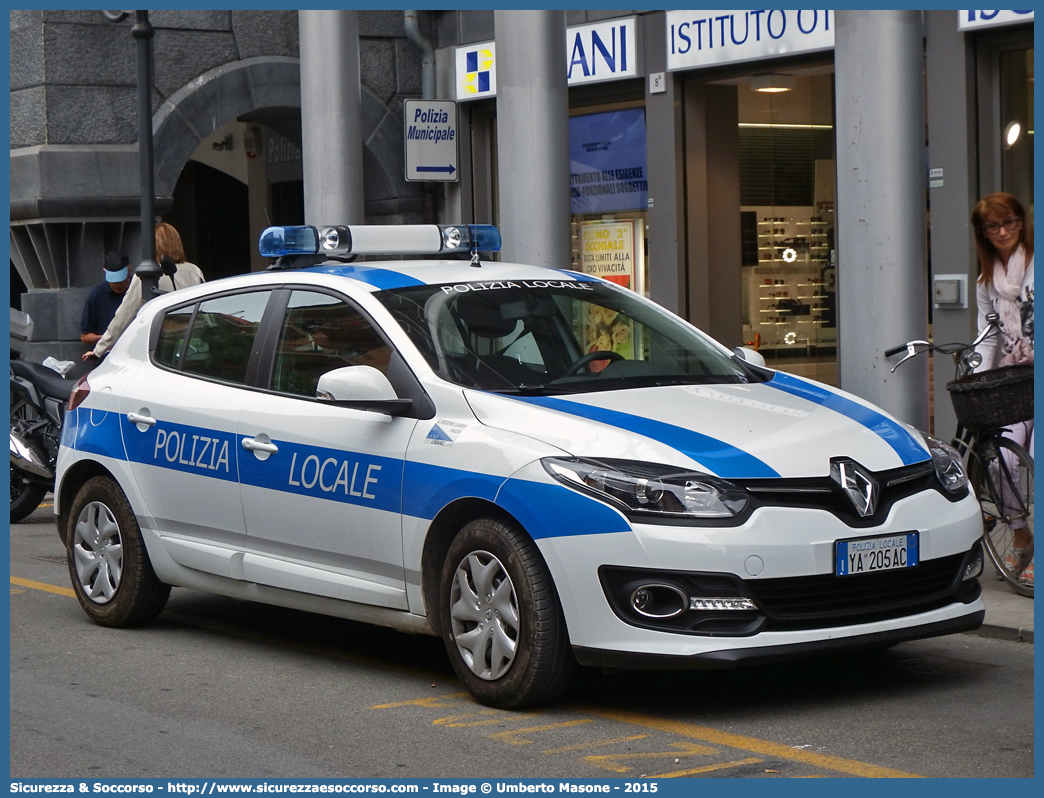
point(361, 388)
point(748, 354)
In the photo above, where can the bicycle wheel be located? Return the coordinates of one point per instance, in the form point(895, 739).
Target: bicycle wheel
point(1002, 474)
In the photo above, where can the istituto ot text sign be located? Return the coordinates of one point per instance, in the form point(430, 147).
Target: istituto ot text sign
point(703, 38)
point(431, 140)
point(972, 20)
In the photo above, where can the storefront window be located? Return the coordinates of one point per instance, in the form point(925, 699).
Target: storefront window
point(608, 196)
point(787, 210)
point(1016, 91)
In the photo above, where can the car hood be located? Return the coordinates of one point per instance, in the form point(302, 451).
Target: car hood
point(786, 427)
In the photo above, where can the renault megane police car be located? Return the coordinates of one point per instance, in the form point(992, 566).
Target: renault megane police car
point(443, 446)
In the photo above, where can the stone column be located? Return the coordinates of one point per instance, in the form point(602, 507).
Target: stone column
point(533, 137)
point(882, 273)
point(331, 130)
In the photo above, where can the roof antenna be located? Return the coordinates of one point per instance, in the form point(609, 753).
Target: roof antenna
point(475, 256)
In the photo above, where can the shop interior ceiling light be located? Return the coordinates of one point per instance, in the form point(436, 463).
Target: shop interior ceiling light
point(1011, 134)
point(772, 83)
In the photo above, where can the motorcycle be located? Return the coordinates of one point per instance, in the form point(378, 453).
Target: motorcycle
point(38, 399)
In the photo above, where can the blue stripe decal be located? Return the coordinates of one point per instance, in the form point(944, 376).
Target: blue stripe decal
point(69, 425)
point(545, 510)
point(383, 483)
point(552, 511)
point(381, 279)
point(579, 277)
point(910, 451)
point(94, 432)
point(429, 488)
point(724, 460)
point(207, 452)
point(336, 475)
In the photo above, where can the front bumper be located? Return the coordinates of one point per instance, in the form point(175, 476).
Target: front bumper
point(732, 658)
point(776, 548)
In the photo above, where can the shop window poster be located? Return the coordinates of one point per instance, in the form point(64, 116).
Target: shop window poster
point(607, 162)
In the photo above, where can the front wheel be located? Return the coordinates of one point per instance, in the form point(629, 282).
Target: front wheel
point(501, 620)
point(109, 566)
point(1002, 476)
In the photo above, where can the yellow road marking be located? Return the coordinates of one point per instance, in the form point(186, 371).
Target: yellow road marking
point(61, 591)
point(512, 737)
point(598, 744)
point(702, 733)
point(752, 744)
point(501, 716)
point(440, 701)
point(706, 768)
point(611, 761)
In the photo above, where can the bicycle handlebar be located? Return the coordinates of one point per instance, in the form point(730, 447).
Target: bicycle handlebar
point(992, 327)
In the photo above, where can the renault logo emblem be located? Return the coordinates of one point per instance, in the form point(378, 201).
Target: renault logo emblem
point(857, 483)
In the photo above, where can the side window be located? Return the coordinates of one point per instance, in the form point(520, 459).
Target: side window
point(321, 333)
point(172, 336)
point(222, 336)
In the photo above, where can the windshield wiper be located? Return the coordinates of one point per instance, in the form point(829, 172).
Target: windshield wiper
point(534, 390)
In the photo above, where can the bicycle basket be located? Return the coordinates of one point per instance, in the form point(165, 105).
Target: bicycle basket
point(994, 398)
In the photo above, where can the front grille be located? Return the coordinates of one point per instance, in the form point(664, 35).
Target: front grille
point(822, 493)
point(810, 602)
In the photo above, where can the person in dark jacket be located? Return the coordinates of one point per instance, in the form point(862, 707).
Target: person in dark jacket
point(103, 300)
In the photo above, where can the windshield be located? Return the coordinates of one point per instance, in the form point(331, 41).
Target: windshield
point(555, 336)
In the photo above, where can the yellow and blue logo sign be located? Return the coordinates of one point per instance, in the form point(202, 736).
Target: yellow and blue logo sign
point(476, 71)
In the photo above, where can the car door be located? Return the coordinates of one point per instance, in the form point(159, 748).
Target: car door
point(179, 418)
point(322, 485)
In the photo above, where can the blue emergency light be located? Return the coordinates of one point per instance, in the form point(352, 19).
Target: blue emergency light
point(371, 239)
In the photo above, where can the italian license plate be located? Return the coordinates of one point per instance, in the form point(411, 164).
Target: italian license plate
point(870, 555)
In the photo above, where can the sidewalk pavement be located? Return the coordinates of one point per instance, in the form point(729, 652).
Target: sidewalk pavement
point(1009, 616)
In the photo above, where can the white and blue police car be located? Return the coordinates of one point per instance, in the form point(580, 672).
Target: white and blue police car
point(539, 466)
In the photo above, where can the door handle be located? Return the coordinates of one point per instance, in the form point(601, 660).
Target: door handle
point(142, 422)
point(254, 445)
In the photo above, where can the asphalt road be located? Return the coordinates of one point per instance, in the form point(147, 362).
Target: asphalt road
point(223, 688)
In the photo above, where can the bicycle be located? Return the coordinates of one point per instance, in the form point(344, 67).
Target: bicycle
point(999, 470)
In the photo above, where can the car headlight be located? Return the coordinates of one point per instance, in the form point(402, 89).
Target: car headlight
point(948, 466)
point(650, 489)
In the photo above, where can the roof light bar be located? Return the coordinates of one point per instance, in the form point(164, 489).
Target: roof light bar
point(409, 239)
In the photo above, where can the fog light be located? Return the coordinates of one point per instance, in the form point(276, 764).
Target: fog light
point(721, 604)
point(974, 566)
point(658, 601)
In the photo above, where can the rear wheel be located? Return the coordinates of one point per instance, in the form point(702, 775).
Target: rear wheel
point(1002, 476)
point(26, 494)
point(501, 620)
point(26, 491)
point(109, 566)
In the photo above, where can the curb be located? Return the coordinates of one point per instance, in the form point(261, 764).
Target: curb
point(1023, 634)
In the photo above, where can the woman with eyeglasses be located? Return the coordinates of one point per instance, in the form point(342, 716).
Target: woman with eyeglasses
point(1004, 239)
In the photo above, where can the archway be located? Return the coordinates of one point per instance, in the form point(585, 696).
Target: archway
point(267, 90)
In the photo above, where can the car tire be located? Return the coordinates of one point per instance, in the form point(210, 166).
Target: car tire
point(110, 569)
point(500, 616)
point(26, 494)
point(26, 491)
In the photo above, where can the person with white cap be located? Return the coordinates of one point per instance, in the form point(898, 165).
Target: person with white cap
point(104, 299)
